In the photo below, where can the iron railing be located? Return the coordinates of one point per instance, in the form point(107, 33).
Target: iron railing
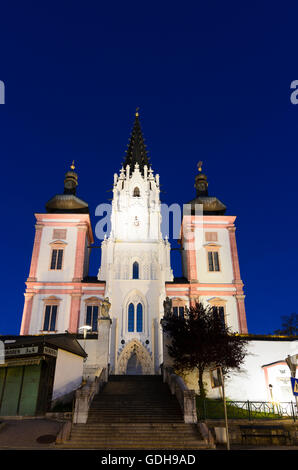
point(251, 410)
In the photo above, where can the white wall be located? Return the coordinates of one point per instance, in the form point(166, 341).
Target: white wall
point(249, 383)
point(68, 373)
point(44, 273)
point(225, 275)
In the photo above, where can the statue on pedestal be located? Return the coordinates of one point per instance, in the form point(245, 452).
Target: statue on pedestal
point(167, 306)
point(105, 308)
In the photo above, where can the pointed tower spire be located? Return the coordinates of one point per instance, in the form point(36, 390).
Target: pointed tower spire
point(136, 152)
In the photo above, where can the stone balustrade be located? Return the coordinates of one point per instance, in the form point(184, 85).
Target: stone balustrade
point(185, 397)
point(84, 396)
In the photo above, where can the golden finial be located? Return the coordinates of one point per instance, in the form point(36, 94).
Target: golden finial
point(72, 166)
point(137, 112)
point(199, 165)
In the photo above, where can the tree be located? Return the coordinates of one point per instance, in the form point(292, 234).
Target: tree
point(201, 339)
point(289, 325)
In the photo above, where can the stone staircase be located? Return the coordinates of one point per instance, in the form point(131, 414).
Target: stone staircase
point(135, 412)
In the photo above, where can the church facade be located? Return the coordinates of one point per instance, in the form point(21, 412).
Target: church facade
point(135, 276)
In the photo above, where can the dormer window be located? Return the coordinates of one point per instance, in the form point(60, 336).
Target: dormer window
point(136, 192)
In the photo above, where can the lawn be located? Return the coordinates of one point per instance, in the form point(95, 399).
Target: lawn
point(213, 409)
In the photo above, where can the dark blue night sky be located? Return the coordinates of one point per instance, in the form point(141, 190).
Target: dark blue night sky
point(212, 80)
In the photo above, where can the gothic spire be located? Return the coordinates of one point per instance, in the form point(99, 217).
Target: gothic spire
point(136, 151)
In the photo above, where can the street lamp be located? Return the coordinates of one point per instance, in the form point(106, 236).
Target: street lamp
point(225, 406)
point(85, 328)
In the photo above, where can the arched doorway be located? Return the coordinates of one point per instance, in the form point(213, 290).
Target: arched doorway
point(134, 367)
point(134, 359)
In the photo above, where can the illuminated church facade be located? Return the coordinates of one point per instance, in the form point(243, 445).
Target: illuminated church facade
point(135, 276)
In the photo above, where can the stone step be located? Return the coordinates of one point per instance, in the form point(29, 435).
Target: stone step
point(146, 439)
point(126, 446)
point(137, 443)
point(113, 426)
point(138, 378)
point(134, 420)
point(140, 432)
point(142, 435)
point(135, 412)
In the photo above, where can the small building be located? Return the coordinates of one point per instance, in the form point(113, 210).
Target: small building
point(36, 372)
point(263, 376)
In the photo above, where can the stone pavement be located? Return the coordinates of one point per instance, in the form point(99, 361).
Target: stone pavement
point(22, 433)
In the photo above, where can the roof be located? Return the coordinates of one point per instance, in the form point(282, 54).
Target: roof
point(65, 341)
point(255, 337)
point(136, 151)
point(69, 203)
point(178, 280)
point(92, 280)
point(211, 205)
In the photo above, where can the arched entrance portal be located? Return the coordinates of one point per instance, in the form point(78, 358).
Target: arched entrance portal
point(134, 360)
point(134, 367)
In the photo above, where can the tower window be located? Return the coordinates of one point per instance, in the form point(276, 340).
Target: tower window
point(56, 258)
point(213, 261)
point(220, 311)
point(50, 317)
point(136, 192)
point(178, 311)
point(131, 317)
point(92, 316)
point(178, 307)
point(135, 270)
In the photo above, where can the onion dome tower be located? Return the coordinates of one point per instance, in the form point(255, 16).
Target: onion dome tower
point(211, 204)
point(68, 202)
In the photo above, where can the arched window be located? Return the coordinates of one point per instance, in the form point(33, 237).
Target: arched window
point(139, 318)
point(136, 192)
point(131, 317)
point(135, 317)
point(135, 270)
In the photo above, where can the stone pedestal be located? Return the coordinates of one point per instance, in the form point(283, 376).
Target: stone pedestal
point(166, 340)
point(103, 343)
point(98, 351)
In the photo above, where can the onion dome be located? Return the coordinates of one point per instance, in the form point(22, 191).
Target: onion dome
point(68, 202)
point(211, 205)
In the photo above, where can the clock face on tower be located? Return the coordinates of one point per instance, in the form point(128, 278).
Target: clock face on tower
point(202, 187)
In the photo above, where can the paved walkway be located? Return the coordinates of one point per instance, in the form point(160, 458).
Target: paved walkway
point(22, 434)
